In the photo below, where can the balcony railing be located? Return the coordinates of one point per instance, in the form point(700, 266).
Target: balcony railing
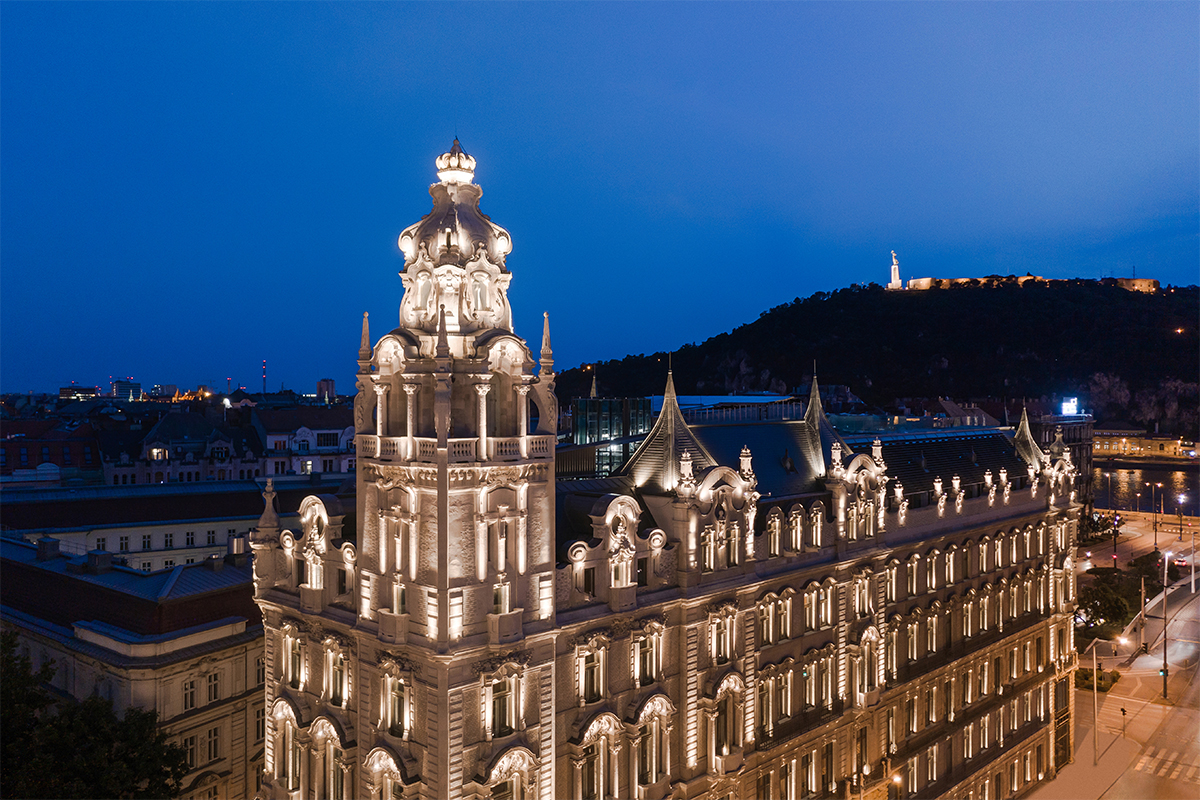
point(458, 451)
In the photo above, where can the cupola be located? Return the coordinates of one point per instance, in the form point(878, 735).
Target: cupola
point(455, 166)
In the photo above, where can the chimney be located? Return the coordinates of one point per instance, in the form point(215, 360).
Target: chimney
point(47, 548)
point(235, 555)
point(99, 561)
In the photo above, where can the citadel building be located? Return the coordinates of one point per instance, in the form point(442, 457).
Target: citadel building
point(751, 610)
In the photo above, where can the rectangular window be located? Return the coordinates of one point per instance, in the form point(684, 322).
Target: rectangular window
point(168, 540)
point(66, 455)
point(190, 751)
point(337, 679)
point(214, 687)
point(145, 566)
point(502, 708)
point(169, 563)
point(397, 706)
point(123, 542)
point(146, 540)
point(260, 671)
point(189, 695)
point(190, 538)
point(212, 537)
point(341, 582)
point(590, 676)
point(101, 543)
point(643, 572)
point(260, 724)
point(214, 743)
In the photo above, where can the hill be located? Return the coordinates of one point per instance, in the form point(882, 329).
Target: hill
point(1085, 337)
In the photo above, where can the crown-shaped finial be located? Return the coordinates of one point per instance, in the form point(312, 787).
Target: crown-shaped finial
point(455, 166)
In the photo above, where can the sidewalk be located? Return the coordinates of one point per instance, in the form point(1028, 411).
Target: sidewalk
point(1080, 780)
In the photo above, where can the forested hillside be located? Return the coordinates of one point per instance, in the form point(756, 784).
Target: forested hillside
point(1125, 353)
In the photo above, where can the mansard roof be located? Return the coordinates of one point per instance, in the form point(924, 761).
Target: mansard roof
point(656, 461)
point(315, 418)
point(916, 459)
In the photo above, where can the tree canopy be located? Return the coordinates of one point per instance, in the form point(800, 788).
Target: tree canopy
point(62, 748)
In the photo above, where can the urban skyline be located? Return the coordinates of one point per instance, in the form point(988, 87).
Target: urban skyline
point(180, 159)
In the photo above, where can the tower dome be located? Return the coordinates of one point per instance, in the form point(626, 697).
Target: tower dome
point(454, 257)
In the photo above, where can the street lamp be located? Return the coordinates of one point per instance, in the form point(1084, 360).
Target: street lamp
point(1179, 510)
point(1166, 560)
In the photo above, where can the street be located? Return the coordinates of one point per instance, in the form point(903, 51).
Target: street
point(1153, 750)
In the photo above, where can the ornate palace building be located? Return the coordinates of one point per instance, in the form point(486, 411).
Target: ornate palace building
point(752, 610)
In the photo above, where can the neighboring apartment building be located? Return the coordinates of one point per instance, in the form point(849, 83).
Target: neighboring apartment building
point(185, 642)
point(762, 610)
point(48, 452)
point(1122, 440)
point(182, 447)
point(302, 440)
point(150, 528)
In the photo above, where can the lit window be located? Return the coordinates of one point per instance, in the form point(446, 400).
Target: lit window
point(647, 657)
point(396, 706)
point(293, 666)
point(591, 675)
point(336, 678)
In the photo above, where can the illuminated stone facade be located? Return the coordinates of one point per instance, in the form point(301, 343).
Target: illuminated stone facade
point(819, 621)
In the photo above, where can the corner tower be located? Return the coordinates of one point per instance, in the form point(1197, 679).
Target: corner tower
point(443, 630)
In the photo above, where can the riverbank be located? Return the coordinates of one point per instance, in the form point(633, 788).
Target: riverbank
point(1133, 462)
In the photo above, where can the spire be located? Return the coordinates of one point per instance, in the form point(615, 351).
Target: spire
point(657, 459)
point(547, 359)
point(814, 413)
point(443, 345)
point(364, 344)
point(1026, 445)
point(268, 523)
point(593, 393)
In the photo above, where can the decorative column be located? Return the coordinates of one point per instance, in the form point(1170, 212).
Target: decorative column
point(482, 390)
point(410, 389)
point(523, 418)
point(380, 412)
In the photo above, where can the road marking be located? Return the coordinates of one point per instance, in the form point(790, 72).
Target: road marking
point(1191, 775)
point(1175, 773)
point(1156, 761)
point(1142, 761)
point(1167, 764)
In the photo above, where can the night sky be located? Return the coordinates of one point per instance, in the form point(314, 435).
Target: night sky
point(187, 189)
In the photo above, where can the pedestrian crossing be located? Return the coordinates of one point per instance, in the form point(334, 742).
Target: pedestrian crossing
point(1173, 765)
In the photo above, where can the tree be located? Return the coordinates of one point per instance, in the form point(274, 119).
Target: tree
point(1102, 602)
point(78, 749)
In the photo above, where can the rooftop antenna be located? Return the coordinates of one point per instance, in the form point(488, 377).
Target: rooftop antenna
point(264, 376)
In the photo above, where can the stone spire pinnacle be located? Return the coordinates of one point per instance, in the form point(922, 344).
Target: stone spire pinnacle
point(814, 413)
point(443, 343)
point(364, 344)
point(547, 360)
point(593, 393)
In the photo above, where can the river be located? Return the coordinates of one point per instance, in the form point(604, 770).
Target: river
point(1127, 483)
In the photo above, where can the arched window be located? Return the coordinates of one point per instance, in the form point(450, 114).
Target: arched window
point(512, 776)
point(596, 775)
point(726, 721)
point(653, 743)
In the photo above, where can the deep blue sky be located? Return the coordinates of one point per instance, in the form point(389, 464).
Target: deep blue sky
point(187, 189)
